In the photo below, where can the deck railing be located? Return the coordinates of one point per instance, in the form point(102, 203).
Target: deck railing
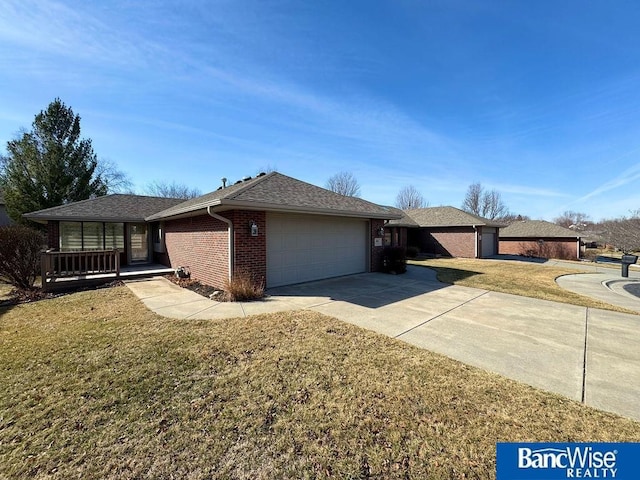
point(78, 264)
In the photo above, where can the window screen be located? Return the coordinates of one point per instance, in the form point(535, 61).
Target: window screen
point(114, 235)
point(70, 236)
point(92, 236)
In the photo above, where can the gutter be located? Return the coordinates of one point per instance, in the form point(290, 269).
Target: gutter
point(475, 229)
point(230, 233)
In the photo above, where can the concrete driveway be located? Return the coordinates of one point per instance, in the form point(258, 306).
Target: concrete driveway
point(585, 354)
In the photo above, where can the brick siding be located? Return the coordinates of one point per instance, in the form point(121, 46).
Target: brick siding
point(447, 241)
point(201, 244)
point(564, 249)
point(250, 252)
point(377, 253)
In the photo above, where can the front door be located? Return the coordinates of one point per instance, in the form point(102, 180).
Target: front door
point(138, 243)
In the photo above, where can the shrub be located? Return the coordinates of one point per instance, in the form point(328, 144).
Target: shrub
point(243, 287)
point(20, 250)
point(395, 260)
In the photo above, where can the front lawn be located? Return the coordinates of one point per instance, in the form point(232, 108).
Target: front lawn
point(94, 386)
point(518, 278)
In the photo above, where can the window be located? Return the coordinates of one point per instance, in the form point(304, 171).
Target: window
point(91, 236)
point(70, 236)
point(114, 235)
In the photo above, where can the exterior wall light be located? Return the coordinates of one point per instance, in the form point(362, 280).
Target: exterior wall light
point(253, 226)
point(380, 232)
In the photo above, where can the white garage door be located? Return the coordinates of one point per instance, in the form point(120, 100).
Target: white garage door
point(303, 248)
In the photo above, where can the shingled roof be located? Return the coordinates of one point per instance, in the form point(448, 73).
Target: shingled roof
point(536, 229)
point(443, 217)
point(109, 208)
point(277, 192)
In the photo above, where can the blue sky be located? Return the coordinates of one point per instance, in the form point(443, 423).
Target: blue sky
point(539, 100)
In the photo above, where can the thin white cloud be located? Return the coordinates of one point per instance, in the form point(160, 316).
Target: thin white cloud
point(630, 175)
point(42, 37)
point(526, 190)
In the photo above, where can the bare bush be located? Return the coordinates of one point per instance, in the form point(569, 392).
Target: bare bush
point(243, 287)
point(20, 250)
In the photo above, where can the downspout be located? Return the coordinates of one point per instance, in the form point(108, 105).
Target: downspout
point(230, 232)
point(579, 247)
point(475, 229)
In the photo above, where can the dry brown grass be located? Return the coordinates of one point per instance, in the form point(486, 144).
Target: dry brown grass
point(5, 290)
point(517, 278)
point(93, 385)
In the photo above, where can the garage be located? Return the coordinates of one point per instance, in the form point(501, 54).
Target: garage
point(489, 242)
point(303, 248)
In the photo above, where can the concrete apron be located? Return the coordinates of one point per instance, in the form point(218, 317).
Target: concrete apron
point(585, 354)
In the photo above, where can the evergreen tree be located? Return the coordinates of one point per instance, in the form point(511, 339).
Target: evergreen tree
point(51, 165)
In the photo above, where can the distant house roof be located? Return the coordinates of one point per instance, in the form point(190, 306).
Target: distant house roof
point(109, 208)
point(405, 221)
point(277, 192)
point(536, 229)
point(442, 217)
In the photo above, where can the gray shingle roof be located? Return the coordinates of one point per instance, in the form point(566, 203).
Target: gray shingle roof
point(109, 208)
point(277, 192)
point(536, 229)
point(444, 217)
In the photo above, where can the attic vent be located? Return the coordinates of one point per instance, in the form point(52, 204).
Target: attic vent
point(239, 181)
point(261, 174)
point(246, 179)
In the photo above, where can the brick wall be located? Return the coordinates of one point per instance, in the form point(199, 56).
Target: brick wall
point(566, 249)
point(377, 253)
point(250, 252)
point(449, 241)
point(200, 243)
point(53, 234)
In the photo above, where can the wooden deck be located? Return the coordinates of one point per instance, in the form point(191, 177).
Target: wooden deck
point(72, 270)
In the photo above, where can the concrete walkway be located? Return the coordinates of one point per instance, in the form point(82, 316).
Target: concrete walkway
point(585, 354)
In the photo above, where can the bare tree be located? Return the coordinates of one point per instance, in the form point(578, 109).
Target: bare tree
point(409, 197)
point(512, 217)
point(574, 220)
point(267, 169)
point(473, 199)
point(171, 190)
point(344, 183)
point(116, 180)
point(623, 233)
point(487, 204)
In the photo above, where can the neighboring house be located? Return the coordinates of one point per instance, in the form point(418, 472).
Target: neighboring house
point(538, 238)
point(4, 217)
point(446, 231)
point(274, 227)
